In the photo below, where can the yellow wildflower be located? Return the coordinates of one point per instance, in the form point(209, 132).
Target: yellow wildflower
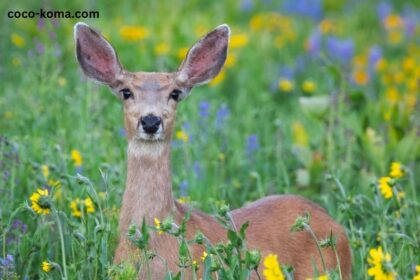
point(218, 79)
point(182, 53)
point(417, 276)
point(308, 86)
point(398, 77)
point(360, 77)
point(204, 256)
point(230, 60)
point(393, 21)
point(410, 101)
point(387, 116)
point(412, 84)
point(17, 40)
point(326, 26)
point(385, 188)
point(161, 49)
point(90, 208)
point(184, 199)
point(45, 170)
point(46, 266)
point(181, 135)
point(359, 61)
point(257, 22)
point(195, 265)
point(396, 170)
point(238, 41)
point(54, 183)
point(285, 85)
point(158, 225)
point(409, 64)
point(272, 269)
point(400, 195)
point(380, 265)
point(41, 203)
point(62, 81)
point(77, 206)
point(395, 37)
point(300, 137)
point(76, 157)
point(133, 33)
point(392, 95)
point(386, 79)
point(322, 277)
point(381, 64)
point(103, 195)
point(221, 156)
point(16, 61)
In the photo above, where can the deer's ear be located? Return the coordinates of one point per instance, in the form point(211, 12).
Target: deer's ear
point(205, 59)
point(96, 56)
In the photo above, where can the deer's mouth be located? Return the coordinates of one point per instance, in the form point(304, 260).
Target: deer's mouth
point(150, 137)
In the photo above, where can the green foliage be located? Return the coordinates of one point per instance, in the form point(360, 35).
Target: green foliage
point(236, 140)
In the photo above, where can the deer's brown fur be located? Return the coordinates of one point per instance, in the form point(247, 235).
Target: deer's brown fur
point(148, 192)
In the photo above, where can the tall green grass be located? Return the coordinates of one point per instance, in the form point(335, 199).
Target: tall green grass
point(332, 151)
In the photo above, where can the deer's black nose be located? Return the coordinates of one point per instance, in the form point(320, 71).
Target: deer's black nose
point(150, 123)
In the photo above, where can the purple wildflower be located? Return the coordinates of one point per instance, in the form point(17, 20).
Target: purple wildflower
point(383, 9)
point(342, 50)
point(410, 19)
point(247, 5)
point(40, 48)
point(314, 43)
point(55, 22)
point(375, 54)
point(287, 72)
point(19, 225)
point(183, 188)
point(197, 170)
point(204, 109)
point(122, 132)
point(221, 115)
point(52, 35)
point(8, 261)
point(252, 145)
point(40, 23)
point(79, 170)
point(308, 8)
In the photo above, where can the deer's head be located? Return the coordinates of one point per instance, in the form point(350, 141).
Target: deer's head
point(150, 99)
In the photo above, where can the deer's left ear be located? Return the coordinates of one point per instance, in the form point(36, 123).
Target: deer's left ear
point(96, 56)
point(205, 59)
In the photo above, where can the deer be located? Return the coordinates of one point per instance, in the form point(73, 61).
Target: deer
point(150, 100)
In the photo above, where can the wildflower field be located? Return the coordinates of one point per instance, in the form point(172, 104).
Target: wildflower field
point(317, 98)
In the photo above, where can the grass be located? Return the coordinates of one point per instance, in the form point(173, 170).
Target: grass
point(331, 144)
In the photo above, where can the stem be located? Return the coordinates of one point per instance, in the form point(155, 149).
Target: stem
point(309, 229)
point(4, 250)
point(238, 251)
point(63, 249)
point(338, 262)
point(61, 271)
point(146, 259)
point(258, 274)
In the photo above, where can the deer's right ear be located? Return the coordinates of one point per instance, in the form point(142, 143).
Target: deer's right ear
point(205, 59)
point(96, 56)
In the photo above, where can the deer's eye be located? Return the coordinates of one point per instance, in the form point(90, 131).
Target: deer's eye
point(175, 94)
point(126, 93)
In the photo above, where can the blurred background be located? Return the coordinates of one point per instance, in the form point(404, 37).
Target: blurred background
point(317, 98)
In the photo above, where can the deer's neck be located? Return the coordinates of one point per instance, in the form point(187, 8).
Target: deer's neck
point(148, 190)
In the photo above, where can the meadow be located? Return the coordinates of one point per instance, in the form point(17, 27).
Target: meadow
point(317, 98)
